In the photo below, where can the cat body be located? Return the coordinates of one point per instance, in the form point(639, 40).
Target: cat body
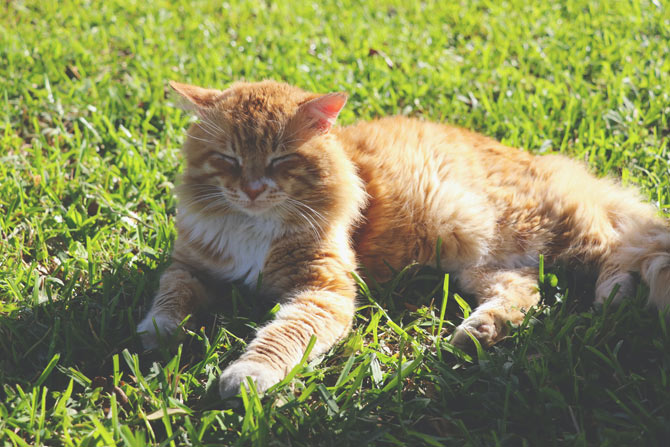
point(272, 186)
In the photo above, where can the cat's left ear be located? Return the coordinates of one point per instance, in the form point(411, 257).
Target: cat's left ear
point(323, 111)
point(197, 97)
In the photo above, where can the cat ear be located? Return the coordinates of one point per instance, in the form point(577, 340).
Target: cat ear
point(197, 96)
point(323, 110)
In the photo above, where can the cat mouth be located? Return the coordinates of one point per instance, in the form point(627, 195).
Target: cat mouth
point(256, 207)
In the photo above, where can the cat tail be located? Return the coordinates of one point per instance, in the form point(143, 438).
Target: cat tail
point(644, 249)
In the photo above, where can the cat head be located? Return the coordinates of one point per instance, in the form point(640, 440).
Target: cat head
point(265, 149)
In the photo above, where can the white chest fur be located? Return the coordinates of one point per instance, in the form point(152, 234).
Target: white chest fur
point(241, 242)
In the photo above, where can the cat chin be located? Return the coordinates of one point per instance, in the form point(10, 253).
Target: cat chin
point(256, 209)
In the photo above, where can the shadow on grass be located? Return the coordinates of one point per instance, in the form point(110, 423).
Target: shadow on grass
point(587, 375)
point(87, 330)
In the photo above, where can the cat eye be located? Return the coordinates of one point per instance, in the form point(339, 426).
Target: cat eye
point(281, 159)
point(227, 158)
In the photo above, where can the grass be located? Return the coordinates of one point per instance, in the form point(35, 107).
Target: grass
point(88, 160)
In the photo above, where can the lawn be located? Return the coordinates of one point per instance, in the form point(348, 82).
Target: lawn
point(89, 159)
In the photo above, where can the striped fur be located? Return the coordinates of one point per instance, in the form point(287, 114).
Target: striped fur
point(271, 186)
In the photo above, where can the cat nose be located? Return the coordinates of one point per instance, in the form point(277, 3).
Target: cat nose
point(254, 189)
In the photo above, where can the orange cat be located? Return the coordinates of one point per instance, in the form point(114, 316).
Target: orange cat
point(272, 186)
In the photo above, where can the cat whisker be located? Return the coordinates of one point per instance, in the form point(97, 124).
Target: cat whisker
point(203, 118)
point(206, 127)
point(289, 142)
point(221, 203)
point(199, 185)
point(291, 139)
point(315, 226)
point(205, 196)
point(197, 190)
point(314, 212)
point(200, 200)
point(204, 193)
point(208, 119)
point(209, 126)
point(280, 131)
point(294, 212)
point(202, 139)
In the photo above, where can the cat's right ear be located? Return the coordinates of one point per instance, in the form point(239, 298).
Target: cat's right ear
point(196, 97)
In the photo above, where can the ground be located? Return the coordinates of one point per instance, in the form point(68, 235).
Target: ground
point(89, 158)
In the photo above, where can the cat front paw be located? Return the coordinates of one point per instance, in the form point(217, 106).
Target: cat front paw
point(235, 375)
point(151, 333)
point(481, 326)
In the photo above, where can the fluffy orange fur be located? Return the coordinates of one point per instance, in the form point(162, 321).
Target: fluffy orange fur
point(272, 186)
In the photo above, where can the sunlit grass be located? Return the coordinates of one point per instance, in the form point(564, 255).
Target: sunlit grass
point(89, 156)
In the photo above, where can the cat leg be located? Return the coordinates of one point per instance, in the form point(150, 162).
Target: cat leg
point(645, 248)
point(502, 296)
point(180, 293)
point(280, 345)
point(611, 277)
